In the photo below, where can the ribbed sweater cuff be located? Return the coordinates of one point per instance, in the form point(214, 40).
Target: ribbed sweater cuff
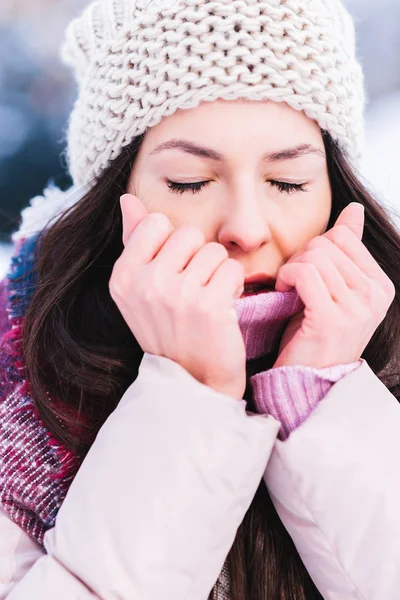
point(291, 393)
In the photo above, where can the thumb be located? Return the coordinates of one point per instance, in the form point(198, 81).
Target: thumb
point(353, 216)
point(133, 211)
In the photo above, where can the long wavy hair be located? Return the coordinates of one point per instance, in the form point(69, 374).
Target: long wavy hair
point(79, 349)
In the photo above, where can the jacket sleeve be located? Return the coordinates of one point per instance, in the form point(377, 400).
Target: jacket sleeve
point(154, 509)
point(335, 483)
point(18, 552)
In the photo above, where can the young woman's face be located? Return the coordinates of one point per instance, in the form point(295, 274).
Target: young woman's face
point(266, 190)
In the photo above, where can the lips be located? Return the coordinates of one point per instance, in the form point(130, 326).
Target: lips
point(257, 284)
point(252, 287)
point(252, 291)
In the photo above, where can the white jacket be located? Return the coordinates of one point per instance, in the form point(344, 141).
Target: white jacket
point(153, 511)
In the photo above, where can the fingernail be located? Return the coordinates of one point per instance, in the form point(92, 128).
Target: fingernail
point(359, 204)
point(126, 196)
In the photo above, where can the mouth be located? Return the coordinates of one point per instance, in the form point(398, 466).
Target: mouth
point(258, 284)
point(253, 289)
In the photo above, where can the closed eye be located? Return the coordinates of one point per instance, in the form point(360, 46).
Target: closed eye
point(289, 188)
point(180, 188)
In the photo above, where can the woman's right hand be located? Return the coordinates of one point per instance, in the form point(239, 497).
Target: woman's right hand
point(176, 293)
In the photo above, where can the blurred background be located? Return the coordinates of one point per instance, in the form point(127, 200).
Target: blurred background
point(37, 93)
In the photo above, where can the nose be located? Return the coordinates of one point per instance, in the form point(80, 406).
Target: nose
point(244, 225)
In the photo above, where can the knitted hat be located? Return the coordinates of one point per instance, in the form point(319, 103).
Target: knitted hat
point(136, 61)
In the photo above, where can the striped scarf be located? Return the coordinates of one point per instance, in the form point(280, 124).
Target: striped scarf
point(35, 469)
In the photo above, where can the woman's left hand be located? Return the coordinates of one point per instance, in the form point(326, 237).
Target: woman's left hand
point(345, 292)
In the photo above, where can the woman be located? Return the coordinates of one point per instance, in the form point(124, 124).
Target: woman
point(169, 428)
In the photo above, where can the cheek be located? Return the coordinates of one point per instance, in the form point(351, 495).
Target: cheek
point(301, 228)
point(154, 198)
point(180, 215)
point(178, 212)
point(181, 210)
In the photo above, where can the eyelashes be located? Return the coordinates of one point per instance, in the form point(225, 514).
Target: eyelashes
point(180, 188)
point(283, 186)
point(289, 188)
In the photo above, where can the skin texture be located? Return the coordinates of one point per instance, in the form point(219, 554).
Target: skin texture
point(259, 225)
point(186, 255)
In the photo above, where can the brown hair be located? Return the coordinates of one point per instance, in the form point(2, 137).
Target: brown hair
point(79, 349)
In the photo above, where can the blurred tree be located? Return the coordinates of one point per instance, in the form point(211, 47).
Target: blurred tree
point(36, 95)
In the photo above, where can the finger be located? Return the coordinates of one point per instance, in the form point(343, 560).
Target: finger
point(228, 280)
point(147, 239)
point(133, 211)
point(353, 217)
point(351, 245)
point(308, 282)
point(180, 247)
point(352, 275)
point(205, 262)
point(330, 273)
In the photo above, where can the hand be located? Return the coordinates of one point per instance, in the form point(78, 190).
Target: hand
point(176, 293)
point(345, 292)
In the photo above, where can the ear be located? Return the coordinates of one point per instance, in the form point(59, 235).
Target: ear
point(353, 216)
point(133, 211)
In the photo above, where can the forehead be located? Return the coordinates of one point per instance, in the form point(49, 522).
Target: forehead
point(234, 124)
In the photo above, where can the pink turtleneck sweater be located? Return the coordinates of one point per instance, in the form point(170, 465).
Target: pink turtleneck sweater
point(289, 393)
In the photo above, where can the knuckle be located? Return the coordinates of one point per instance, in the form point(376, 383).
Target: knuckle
point(218, 249)
point(308, 268)
point(157, 218)
point(316, 243)
point(368, 290)
point(389, 288)
point(374, 299)
point(340, 233)
point(153, 222)
point(235, 266)
point(113, 288)
point(153, 282)
point(314, 256)
point(148, 295)
point(384, 299)
point(193, 233)
point(144, 289)
point(204, 305)
point(171, 302)
point(118, 282)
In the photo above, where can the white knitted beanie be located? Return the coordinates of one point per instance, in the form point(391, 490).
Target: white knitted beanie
point(136, 61)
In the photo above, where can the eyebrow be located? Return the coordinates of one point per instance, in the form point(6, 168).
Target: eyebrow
point(203, 152)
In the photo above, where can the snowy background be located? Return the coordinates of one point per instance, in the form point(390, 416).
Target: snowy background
point(37, 93)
